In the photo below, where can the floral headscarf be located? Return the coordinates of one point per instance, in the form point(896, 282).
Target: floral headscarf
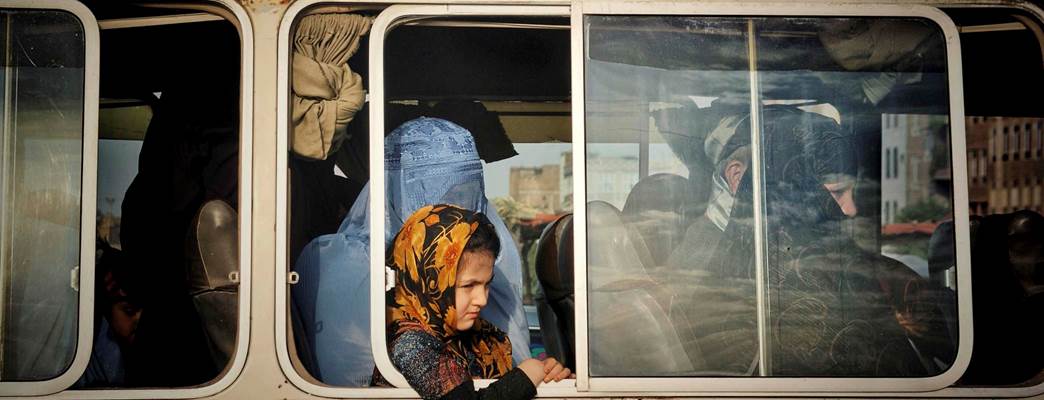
point(425, 256)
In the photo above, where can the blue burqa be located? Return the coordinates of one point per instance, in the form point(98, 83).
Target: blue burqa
point(426, 161)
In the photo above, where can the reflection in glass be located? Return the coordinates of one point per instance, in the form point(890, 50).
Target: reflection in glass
point(847, 292)
point(42, 136)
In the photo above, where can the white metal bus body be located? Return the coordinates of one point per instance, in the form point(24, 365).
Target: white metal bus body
point(867, 156)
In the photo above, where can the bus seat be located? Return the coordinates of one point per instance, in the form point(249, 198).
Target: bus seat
point(631, 334)
point(941, 255)
point(213, 267)
point(555, 303)
point(619, 252)
point(631, 331)
point(942, 271)
point(659, 207)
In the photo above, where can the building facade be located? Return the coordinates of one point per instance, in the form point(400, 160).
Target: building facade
point(1005, 164)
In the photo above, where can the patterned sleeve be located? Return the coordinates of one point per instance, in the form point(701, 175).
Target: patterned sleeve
point(435, 374)
point(428, 368)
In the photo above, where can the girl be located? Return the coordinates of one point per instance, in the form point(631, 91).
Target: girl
point(443, 259)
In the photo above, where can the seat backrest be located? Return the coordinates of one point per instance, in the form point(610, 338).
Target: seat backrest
point(631, 331)
point(555, 305)
point(556, 277)
point(213, 268)
point(660, 207)
point(618, 251)
point(632, 335)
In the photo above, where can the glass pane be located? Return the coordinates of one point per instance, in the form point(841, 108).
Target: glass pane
point(40, 178)
point(531, 192)
point(851, 123)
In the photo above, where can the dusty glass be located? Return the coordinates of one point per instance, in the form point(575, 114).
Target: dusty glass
point(768, 197)
point(40, 190)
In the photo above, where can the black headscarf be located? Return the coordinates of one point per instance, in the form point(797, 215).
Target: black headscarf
point(827, 313)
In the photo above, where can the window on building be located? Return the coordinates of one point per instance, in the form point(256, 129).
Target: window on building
point(1040, 139)
point(895, 162)
point(1027, 144)
point(1007, 145)
point(982, 165)
point(888, 163)
point(1016, 142)
point(995, 143)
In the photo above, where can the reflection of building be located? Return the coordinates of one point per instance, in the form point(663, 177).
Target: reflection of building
point(566, 183)
point(1005, 164)
point(610, 179)
point(914, 163)
point(536, 187)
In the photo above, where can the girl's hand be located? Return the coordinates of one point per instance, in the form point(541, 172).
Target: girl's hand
point(534, 369)
point(555, 371)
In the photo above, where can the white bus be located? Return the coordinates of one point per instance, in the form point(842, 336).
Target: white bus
point(704, 198)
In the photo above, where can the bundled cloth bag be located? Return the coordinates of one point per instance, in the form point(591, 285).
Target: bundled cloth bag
point(326, 94)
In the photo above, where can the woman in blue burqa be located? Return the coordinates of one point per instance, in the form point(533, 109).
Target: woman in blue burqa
point(426, 161)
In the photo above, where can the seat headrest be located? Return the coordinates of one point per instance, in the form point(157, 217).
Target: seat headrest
point(617, 251)
point(1026, 245)
point(565, 252)
point(213, 247)
point(554, 272)
point(659, 207)
point(662, 192)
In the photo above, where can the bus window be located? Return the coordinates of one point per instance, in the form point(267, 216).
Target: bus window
point(764, 195)
point(167, 296)
point(509, 89)
point(512, 111)
point(1004, 196)
point(45, 184)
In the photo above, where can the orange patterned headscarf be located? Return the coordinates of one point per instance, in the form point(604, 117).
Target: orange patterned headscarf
point(425, 255)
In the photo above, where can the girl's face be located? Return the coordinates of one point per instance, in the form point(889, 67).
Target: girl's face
point(474, 272)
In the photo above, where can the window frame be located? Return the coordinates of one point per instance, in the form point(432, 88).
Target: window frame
point(236, 15)
point(785, 385)
point(88, 200)
point(386, 20)
point(382, 25)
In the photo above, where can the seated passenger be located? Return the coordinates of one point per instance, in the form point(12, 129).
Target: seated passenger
point(116, 323)
point(730, 154)
point(443, 259)
point(828, 311)
point(727, 146)
point(1008, 285)
point(427, 161)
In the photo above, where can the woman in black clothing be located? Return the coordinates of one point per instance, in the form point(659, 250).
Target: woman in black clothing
point(443, 258)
